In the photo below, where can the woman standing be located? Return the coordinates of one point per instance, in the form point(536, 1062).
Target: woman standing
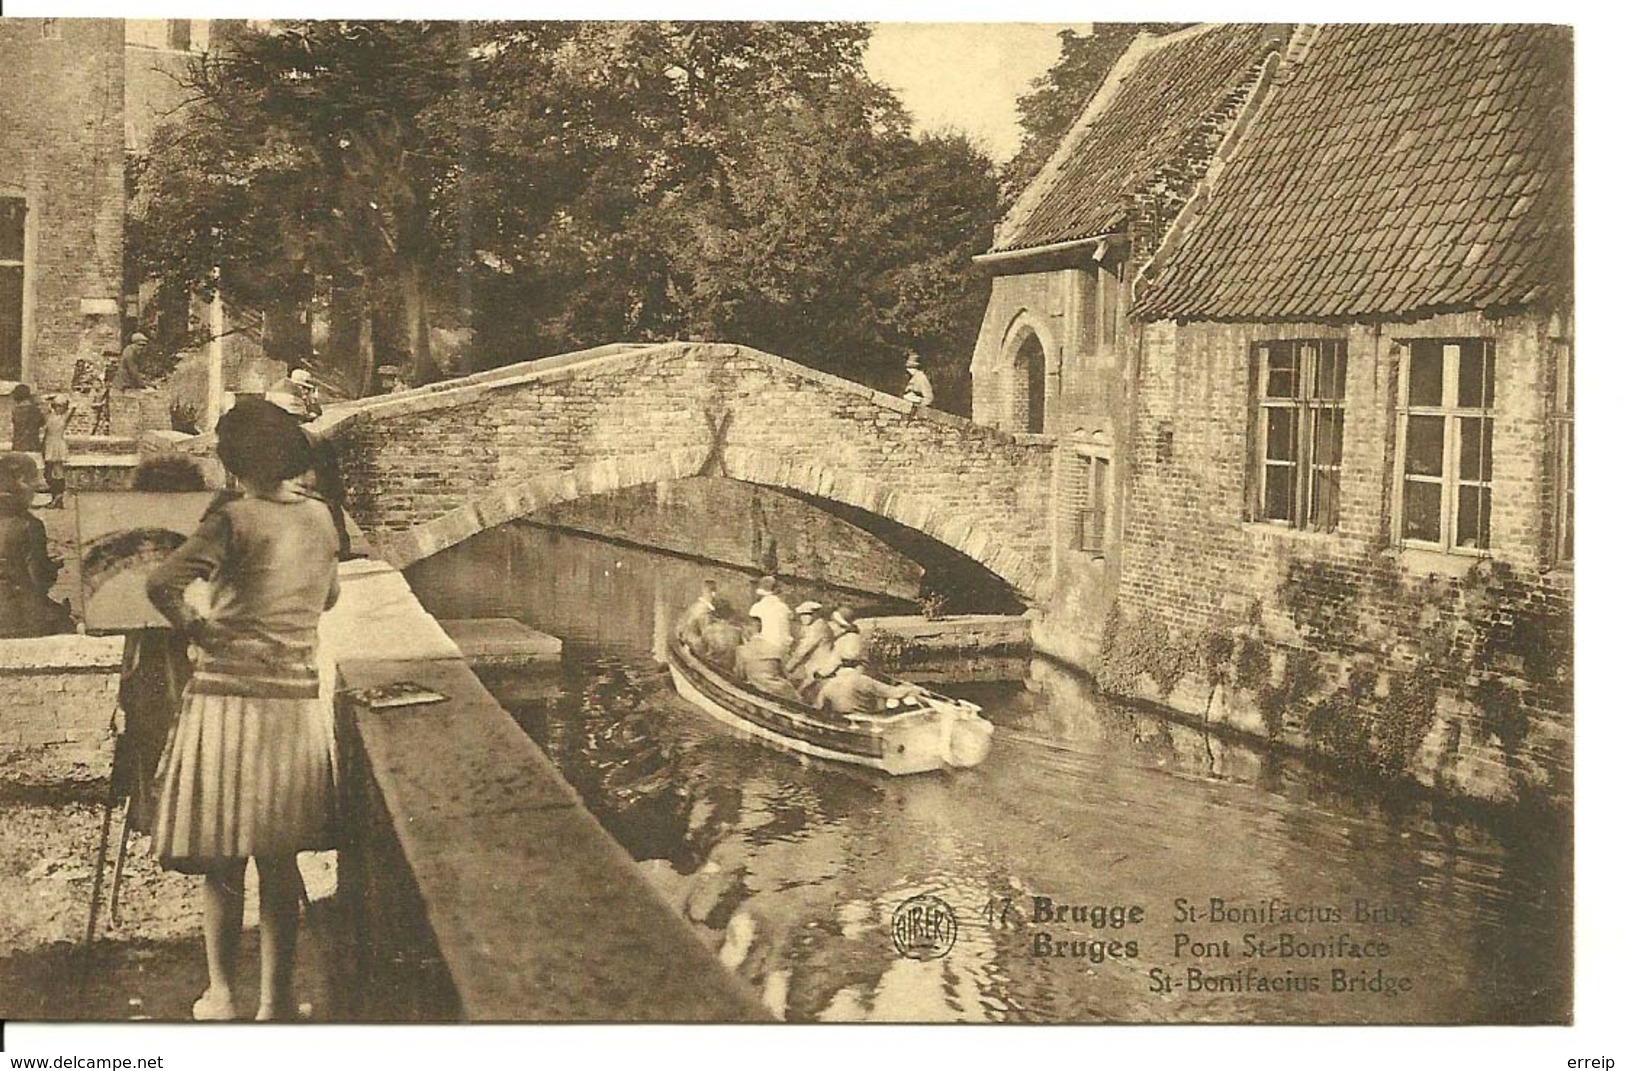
point(56, 448)
point(248, 768)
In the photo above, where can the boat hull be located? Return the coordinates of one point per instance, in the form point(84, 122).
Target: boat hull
point(936, 734)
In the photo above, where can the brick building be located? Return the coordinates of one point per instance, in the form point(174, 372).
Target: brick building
point(1055, 352)
point(1343, 442)
point(78, 94)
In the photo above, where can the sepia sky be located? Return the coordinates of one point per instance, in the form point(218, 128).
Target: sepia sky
point(965, 76)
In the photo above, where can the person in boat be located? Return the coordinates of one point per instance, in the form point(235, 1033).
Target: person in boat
point(774, 614)
point(700, 613)
point(815, 642)
point(846, 644)
point(853, 691)
point(759, 663)
point(720, 638)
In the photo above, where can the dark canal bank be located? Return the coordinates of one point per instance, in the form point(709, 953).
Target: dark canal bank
point(1250, 887)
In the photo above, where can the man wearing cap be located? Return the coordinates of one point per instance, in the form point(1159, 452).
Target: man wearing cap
point(127, 376)
point(918, 389)
point(700, 612)
point(761, 665)
point(846, 645)
point(853, 691)
point(774, 614)
point(817, 638)
point(27, 569)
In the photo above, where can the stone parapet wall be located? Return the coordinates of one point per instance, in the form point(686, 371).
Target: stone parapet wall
point(57, 695)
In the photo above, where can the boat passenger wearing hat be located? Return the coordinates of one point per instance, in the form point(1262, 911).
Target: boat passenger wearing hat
point(700, 613)
point(774, 614)
point(853, 691)
point(846, 644)
point(127, 376)
point(817, 637)
point(760, 664)
point(27, 569)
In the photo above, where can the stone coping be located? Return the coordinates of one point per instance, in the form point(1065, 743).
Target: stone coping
point(467, 389)
point(536, 912)
point(67, 653)
point(955, 631)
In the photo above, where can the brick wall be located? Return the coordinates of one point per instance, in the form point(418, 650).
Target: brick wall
point(62, 148)
point(1452, 669)
point(432, 467)
point(56, 699)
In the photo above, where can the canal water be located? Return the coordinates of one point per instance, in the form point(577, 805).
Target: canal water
point(1106, 863)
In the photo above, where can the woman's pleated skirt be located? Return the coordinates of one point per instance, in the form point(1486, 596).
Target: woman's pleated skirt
point(243, 777)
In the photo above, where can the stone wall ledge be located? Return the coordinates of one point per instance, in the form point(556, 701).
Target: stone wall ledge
point(535, 912)
point(955, 632)
point(68, 653)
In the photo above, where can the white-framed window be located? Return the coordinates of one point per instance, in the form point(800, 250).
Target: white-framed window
point(1446, 444)
point(1299, 431)
point(1563, 444)
point(1087, 492)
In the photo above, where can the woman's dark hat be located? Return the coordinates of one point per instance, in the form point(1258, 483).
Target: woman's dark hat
point(260, 440)
point(19, 474)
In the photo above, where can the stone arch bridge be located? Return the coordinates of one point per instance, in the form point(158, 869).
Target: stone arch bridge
point(429, 468)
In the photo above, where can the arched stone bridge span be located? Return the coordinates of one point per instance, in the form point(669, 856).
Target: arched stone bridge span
point(431, 467)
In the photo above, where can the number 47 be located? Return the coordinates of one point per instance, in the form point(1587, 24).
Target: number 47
point(997, 910)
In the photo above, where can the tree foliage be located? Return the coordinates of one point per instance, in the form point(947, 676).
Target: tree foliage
point(554, 185)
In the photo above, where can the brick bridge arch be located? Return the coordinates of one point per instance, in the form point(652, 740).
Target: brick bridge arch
point(430, 468)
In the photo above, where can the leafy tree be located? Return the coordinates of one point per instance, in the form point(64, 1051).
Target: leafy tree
point(560, 184)
point(1060, 95)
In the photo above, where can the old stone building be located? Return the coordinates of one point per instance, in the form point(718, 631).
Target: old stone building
point(1344, 439)
point(78, 95)
point(1055, 355)
point(61, 194)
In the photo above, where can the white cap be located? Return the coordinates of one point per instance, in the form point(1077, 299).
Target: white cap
point(809, 607)
point(300, 376)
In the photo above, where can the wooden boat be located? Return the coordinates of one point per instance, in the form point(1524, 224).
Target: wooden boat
point(916, 735)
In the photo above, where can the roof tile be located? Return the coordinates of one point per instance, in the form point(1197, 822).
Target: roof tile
point(1159, 107)
point(1393, 170)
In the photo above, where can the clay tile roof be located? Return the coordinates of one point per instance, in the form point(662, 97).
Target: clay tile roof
point(1467, 177)
point(1151, 106)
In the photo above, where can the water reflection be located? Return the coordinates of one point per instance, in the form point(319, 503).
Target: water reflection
point(792, 868)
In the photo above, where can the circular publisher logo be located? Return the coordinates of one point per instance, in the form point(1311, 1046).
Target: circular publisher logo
point(924, 927)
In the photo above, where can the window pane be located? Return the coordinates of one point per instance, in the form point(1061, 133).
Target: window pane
point(1331, 371)
point(1280, 492)
point(1421, 511)
point(1476, 434)
point(1424, 445)
point(1473, 517)
point(1489, 374)
point(1470, 381)
point(1427, 374)
point(1281, 443)
point(1328, 436)
point(1102, 489)
point(1324, 499)
point(1280, 377)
